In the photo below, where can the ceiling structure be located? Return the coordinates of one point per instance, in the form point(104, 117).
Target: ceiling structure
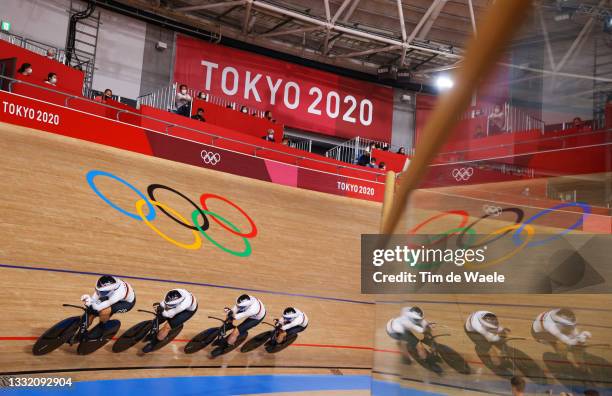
point(422, 36)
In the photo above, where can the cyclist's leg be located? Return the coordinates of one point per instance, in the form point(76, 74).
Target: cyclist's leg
point(242, 329)
point(282, 335)
point(174, 323)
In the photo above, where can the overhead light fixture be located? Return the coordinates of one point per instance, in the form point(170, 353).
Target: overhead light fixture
point(444, 82)
point(607, 24)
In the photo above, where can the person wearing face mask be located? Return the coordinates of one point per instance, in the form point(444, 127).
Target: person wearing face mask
point(51, 79)
point(244, 110)
point(107, 95)
point(183, 101)
point(51, 53)
point(270, 136)
point(25, 69)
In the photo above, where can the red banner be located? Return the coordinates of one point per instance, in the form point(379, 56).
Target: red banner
point(298, 96)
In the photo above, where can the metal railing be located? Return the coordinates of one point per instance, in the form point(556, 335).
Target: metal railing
point(515, 119)
point(378, 176)
point(299, 143)
point(41, 48)
point(164, 99)
point(352, 149)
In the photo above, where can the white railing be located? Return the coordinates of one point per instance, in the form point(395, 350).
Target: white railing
point(351, 150)
point(515, 119)
point(299, 143)
point(33, 45)
point(164, 99)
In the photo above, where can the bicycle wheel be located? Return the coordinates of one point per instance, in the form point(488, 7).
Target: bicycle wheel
point(171, 336)
point(222, 350)
point(56, 336)
point(103, 334)
point(132, 336)
point(202, 340)
point(256, 341)
point(274, 348)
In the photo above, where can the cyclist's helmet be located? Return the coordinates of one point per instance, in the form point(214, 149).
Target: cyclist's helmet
point(413, 313)
point(244, 301)
point(490, 321)
point(106, 285)
point(173, 298)
point(289, 313)
point(564, 317)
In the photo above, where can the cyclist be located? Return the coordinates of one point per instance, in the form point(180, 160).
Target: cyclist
point(178, 307)
point(249, 308)
point(411, 327)
point(484, 330)
point(557, 327)
point(292, 322)
point(112, 295)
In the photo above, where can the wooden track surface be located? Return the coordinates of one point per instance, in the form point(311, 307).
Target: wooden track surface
point(307, 247)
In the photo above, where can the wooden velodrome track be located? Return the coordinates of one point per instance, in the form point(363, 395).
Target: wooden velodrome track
point(57, 235)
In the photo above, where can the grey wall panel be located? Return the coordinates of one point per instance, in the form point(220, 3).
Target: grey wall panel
point(157, 64)
point(42, 20)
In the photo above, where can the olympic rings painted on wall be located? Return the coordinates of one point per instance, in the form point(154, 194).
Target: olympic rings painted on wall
point(462, 174)
point(210, 157)
point(198, 226)
point(517, 229)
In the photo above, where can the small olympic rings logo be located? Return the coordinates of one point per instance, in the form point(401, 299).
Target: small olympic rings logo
point(210, 157)
point(462, 174)
point(198, 223)
point(492, 210)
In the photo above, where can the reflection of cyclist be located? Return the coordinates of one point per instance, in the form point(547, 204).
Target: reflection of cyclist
point(411, 327)
point(112, 296)
point(558, 328)
point(484, 330)
point(247, 307)
point(293, 321)
point(178, 307)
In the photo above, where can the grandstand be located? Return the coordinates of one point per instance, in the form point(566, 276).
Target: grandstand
point(296, 129)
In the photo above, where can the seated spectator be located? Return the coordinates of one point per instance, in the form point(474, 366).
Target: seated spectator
point(108, 94)
point(364, 159)
point(51, 53)
point(401, 151)
point(518, 385)
point(286, 142)
point(577, 123)
point(51, 79)
point(25, 69)
point(268, 116)
point(385, 147)
point(182, 101)
point(497, 121)
point(382, 166)
point(479, 133)
point(372, 163)
point(270, 136)
point(202, 96)
point(199, 115)
point(244, 110)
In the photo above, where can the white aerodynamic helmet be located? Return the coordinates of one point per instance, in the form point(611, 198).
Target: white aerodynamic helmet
point(107, 284)
point(413, 313)
point(489, 320)
point(244, 301)
point(564, 317)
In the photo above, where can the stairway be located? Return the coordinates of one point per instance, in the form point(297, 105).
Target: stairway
point(82, 39)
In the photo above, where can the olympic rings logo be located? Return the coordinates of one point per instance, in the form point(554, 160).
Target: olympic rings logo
point(198, 223)
point(492, 210)
point(210, 157)
point(522, 232)
point(462, 174)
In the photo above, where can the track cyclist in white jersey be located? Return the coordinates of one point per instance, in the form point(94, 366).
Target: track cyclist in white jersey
point(249, 308)
point(411, 327)
point(557, 327)
point(483, 328)
point(112, 295)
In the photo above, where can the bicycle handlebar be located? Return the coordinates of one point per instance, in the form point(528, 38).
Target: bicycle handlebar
point(74, 306)
point(269, 324)
point(219, 319)
point(144, 310)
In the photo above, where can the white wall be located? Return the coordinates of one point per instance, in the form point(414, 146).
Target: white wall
point(119, 57)
point(42, 20)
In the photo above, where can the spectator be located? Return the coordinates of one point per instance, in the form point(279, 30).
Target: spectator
point(286, 142)
point(372, 163)
point(25, 69)
point(51, 53)
point(202, 96)
point(518, 385)
point(268, 116)
point(183, 101)
point(108, 94)
point(270, 136)
point(244, 110)
point(382, 166)
point(51, 79)
point(497, 121)
point(479, 133)
point(401, 151)
point(199, 115)
point(364, 159)
point(385, 147)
